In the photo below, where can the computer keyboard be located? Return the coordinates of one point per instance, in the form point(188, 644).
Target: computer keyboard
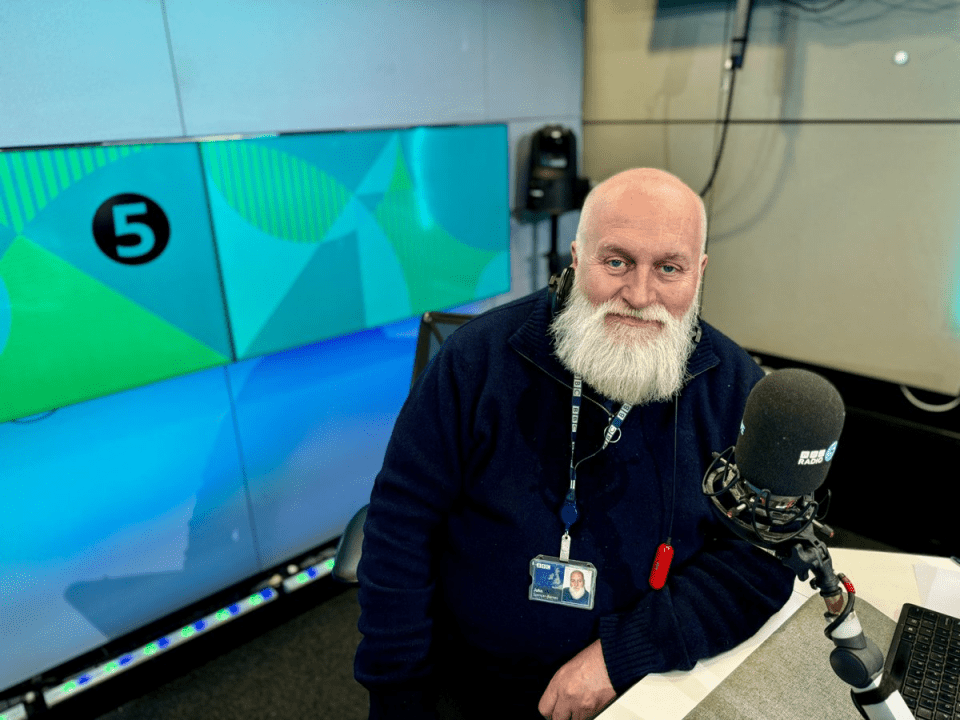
point(924, 661)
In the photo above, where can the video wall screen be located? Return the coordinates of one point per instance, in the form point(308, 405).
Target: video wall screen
point(108, 273)
point(128, 264)
point(204, 349)
point(323, 235)
point(127, 507)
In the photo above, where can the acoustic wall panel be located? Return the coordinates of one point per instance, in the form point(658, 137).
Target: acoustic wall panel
point(293, 65)
point(833, 237)
point(653, 59)
point(326, 234)
point(866, 60)
point(522, 43)
point(81, 71)
point(685, 149)
point(859, 270)
point(108, 272)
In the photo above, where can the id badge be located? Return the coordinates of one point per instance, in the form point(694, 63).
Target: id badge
point(571, 582)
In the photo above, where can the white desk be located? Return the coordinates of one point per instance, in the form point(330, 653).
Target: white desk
point(885, 580)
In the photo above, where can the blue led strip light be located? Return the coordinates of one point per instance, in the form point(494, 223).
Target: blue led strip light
point(308, 575)
point(105, 671)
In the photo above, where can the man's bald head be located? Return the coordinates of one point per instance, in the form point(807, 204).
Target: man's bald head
point(657, 187)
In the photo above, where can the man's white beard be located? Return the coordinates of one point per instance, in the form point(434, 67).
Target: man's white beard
point(625, 363)
point(577, 593)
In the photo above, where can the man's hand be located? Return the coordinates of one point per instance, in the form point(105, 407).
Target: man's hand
point(580, 689)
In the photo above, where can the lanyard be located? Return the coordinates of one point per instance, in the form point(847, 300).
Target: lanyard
point(569, 513)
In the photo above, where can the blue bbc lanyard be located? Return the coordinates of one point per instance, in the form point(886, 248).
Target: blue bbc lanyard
point(569, 513)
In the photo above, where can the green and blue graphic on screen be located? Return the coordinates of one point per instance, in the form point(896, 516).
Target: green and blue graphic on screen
point(110, 277)
point(108, 271)
point(325, 234)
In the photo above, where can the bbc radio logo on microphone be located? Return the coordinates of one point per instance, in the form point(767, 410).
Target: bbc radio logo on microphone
point(817, 457)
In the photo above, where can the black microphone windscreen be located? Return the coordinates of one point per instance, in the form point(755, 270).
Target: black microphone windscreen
point(791, 425)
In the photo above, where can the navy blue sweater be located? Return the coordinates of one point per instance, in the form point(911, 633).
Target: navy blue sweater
point(470, 491)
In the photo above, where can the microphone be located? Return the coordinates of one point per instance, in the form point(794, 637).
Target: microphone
point(762, 487)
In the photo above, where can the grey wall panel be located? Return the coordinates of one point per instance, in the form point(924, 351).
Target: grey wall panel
point(85, 70)
point(686, 149)
point(839, 245)
point(534, 60)
point(292, 65)
point(650, 60)
point(642, 62)
point(839, 65)
point(833, 243)
point(105, 70)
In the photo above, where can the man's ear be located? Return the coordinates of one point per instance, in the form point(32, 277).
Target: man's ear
point(703, 265)
point(573, 254)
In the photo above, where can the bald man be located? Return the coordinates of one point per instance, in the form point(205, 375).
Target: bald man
point(556, 436)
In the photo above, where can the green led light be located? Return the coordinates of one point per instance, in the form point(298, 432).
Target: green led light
point(111, 667)
point(151, 649)
point(187, 631)
point(69, 687)
point(302, 578)
point(256, 599)
point(223, 615)
point(329, 563)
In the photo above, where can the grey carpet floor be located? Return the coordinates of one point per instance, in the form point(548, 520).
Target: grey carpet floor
point(297, 667)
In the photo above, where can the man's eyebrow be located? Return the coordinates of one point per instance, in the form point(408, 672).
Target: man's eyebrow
point(615, 247)
point(612, 246)
point(677, 256)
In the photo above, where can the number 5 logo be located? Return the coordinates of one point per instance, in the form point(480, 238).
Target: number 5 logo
point(131, 229)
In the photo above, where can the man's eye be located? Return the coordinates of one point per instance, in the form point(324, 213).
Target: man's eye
point(616, 263)
point(669, 269)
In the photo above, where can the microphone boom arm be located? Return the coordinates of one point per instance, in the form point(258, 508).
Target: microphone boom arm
point(809, 554)
point(855, 658)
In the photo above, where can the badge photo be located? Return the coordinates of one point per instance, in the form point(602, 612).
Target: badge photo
point(570, 583)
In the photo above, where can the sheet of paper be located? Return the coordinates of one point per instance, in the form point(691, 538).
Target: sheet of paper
point(939, 588)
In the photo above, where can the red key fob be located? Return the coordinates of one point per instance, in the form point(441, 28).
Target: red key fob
point(661, 566)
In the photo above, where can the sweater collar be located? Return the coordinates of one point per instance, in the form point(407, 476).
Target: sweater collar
point(533, 342)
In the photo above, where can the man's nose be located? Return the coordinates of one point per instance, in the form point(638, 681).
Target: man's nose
point(638, 291)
